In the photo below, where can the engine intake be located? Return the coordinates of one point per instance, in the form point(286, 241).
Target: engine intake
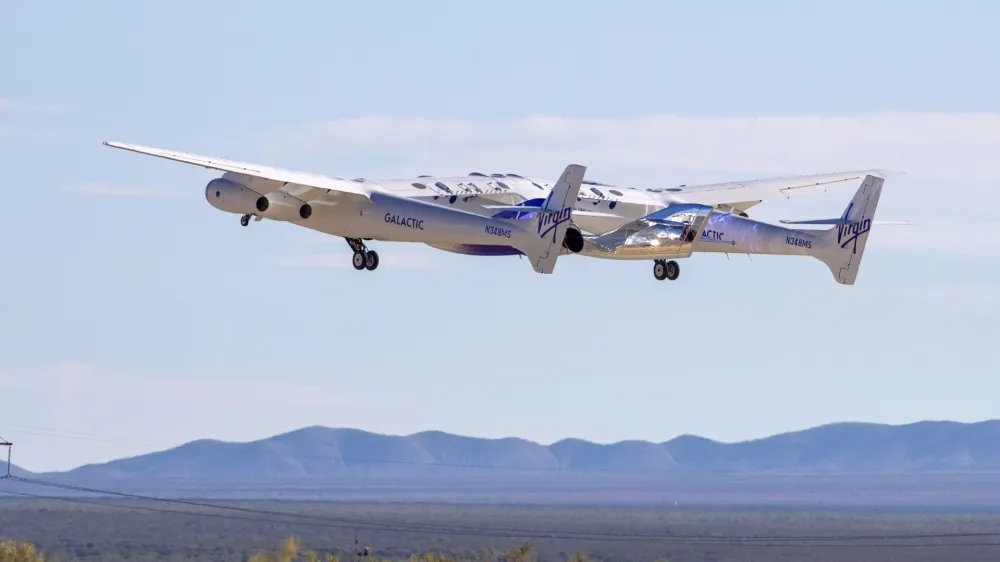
point(281, 206)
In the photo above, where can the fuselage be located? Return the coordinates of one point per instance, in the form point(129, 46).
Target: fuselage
point(734, 234)
point(388, 216)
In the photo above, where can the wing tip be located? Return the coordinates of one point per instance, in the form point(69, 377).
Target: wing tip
point(886, 172)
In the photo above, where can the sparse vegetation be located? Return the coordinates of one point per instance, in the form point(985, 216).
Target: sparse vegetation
point(114, 532)
point(11, 551)
point(288, 551)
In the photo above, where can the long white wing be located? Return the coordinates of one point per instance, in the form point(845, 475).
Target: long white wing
point(753, 191)
point(266, 172)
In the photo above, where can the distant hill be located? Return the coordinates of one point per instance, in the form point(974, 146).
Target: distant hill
point(14, 470)
point(321, 452)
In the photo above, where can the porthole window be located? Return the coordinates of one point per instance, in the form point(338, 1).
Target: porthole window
point(612, 205)
point(218, 194)
point(453, 198)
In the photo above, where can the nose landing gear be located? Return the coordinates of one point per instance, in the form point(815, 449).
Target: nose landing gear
point(663, 269)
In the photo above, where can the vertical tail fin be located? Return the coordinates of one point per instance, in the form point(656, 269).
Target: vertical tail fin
point(844, 244)
point(546, 238)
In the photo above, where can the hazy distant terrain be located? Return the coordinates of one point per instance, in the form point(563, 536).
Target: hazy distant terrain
point(927, 465)
point(435, 491)
point(325, 452)
point(14, 469)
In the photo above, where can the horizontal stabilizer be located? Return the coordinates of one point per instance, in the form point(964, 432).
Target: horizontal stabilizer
point(714, 241)
point(836, 222)
point(816, 221)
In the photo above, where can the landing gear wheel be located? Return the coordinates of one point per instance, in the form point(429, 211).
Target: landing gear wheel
point(244, 220)
point(673, 270)
point(360, 260)
point(659, 270)
point(371, 261)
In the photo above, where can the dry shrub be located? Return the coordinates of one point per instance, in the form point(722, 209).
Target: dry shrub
point(11, 551)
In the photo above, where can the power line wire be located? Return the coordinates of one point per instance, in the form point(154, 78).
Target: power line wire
point(346, 523)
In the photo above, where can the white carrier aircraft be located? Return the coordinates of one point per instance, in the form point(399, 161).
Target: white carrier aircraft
point(490, 215)
point(360, 210)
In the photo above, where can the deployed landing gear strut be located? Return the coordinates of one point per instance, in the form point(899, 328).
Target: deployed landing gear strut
point(666, 270)
point(245, 219)
point(363, 257)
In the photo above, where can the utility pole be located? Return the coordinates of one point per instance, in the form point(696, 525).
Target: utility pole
point(10, 447)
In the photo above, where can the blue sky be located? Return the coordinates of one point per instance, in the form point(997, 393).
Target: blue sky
point(136, 317)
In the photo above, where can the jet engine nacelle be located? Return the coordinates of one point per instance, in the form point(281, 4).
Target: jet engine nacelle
point(281, 206)
point(573, 241)
point(231, 197)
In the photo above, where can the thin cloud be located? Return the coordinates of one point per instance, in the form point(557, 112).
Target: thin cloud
point(105, 190)
point(8, 105)
point(948, 159)
point(983, 298)
point(82, 381)
point(343, 260)
point(68, 395)
point(946, 147)
point(942, 236)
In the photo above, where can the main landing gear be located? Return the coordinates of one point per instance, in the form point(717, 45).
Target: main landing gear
point(363, 257)
point(663, 269)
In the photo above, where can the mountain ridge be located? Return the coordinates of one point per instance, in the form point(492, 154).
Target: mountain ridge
point(319, 451)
